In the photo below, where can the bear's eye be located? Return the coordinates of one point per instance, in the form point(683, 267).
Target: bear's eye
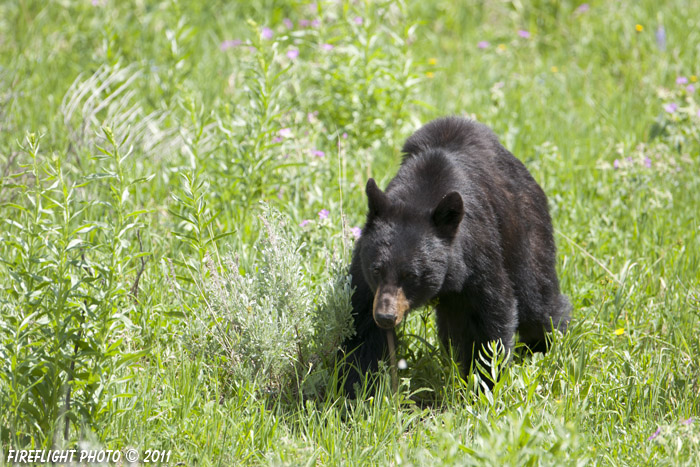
point(409, 276)
point(376, 270)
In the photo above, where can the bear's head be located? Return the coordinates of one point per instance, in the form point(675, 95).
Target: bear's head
point(406, 251)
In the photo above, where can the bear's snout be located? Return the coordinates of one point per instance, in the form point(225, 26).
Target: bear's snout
point(390, 305)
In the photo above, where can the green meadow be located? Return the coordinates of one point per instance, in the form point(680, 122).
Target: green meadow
point(181, 183)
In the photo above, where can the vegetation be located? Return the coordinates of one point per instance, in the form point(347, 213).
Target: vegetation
point(181, 183)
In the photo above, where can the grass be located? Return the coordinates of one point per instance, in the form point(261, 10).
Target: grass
point(139, 142)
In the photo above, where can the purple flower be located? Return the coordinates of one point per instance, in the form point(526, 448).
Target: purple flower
point(690, 89)
point(315, 23)
point(681, 80)
point(345, 135)
point(292, 53)
point(656, 433)
point(483, 44)
point(304, 23)
point(582, 8)
point(323, 214)
point(276, 139)
point(266, 33)
point(661, 38)
point(616, 164)
point(304, 222)
point(285, 133)
point(670, 108)
point(288, 23)
point(229, 44)
point(358, 20)
point(687, 422)
point(318, 153)
point(647, 162)
point(311, 116)
point(524, 34)
point(327, 47)
point(357, 232)
point(698, 114)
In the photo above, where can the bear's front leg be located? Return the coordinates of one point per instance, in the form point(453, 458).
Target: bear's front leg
point(483, 312)
point(363, 351)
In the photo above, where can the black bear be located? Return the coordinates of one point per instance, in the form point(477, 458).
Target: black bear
point(464, 225)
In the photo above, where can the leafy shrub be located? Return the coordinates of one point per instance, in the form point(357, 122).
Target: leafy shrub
point(69, 264)
point(273, 323)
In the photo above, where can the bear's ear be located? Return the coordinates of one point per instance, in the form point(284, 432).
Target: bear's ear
point(448, 214)
point(376, 199)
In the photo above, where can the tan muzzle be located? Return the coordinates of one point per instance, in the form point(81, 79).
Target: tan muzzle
point(390, 305)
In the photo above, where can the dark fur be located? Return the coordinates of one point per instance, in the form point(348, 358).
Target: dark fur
point(488, 258)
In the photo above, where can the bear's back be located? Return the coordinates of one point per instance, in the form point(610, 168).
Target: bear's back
point(473, 157)
point(454, 135)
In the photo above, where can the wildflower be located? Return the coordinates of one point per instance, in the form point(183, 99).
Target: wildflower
point(661, 38)
point(698, 114)
point(670, 108)
point(345, 135)
point(656, 433)
point(647, 162)
point(524, 34)
point(311, 116)
point(229, 44)
point(693, 78)
point(315, 23)
point(292, 54)
point(432, 61)
point(323, 214)
point(430, 74)
point(687, 422)
point(358, 20)
point(501, 47)
point(619, 331)
point(304, 23)
point(483, 44)
point(288, 23)
point(555, 69)
point(639, 28)
point(285, 133)
point(582, 8)
point(318, 153)
point(266, 33)
point(356, 232)
point(327, 47)
point(690, 89)
point(616, 164)
point(681, 80)
point(304, 222)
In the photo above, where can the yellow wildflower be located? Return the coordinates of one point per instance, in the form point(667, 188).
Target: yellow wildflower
point(619, 331)
point(639, 28)
point(432, 61)
point(555, 69)
point(430, 74)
